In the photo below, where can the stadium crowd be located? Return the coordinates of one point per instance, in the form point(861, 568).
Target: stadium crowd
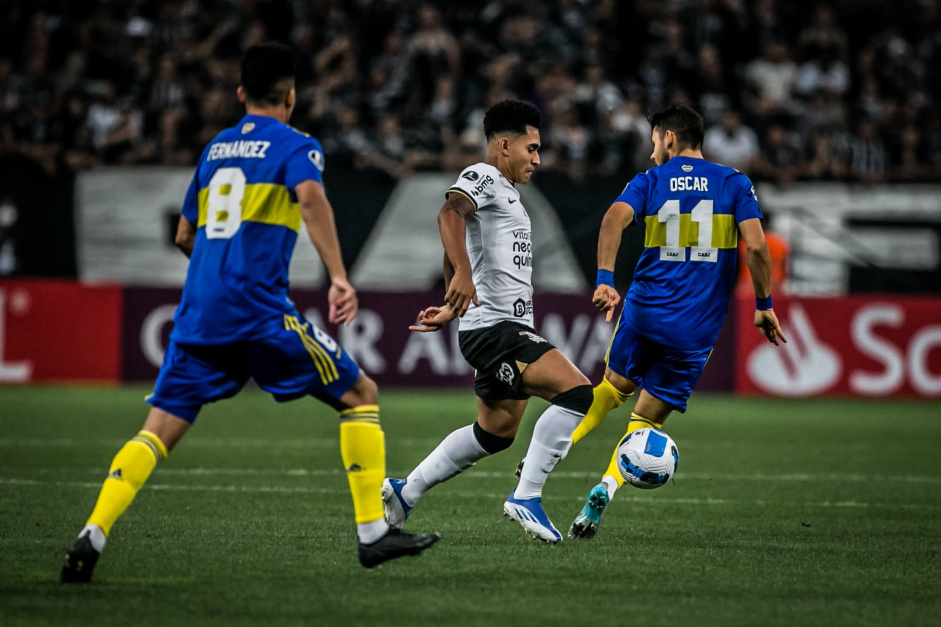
point(789, 90)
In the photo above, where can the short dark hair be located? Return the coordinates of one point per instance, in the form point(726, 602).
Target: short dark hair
point(510, 115)
point(683, 120)
point(264, 67)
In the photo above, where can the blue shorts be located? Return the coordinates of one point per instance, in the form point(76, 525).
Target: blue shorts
point(293, 359)
point(666, 373)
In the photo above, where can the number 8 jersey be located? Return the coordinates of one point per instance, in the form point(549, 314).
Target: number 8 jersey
point(243, 203)
point(691, 209)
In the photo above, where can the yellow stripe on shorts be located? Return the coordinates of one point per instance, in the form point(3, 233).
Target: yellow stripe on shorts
point(325, 366)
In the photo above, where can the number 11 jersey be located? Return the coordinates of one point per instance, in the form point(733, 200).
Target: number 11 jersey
point(243, 203)
point(691, 209)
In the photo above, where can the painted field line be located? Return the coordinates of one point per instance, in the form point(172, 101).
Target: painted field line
point(652, 500)
point(559, 474)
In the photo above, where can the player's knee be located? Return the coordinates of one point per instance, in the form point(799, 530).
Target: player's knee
point(367, 392)
point(490, 442)
point(578, 399)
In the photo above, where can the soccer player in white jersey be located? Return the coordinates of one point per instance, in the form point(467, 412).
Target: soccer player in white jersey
point(488, 269)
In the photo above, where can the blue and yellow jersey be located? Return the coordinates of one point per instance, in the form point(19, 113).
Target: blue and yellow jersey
point(691, 209)
point(243, 203)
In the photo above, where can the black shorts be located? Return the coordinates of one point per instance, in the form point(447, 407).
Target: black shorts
point(498, 353)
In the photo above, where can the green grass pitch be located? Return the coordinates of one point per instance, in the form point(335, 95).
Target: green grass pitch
point(783, 513)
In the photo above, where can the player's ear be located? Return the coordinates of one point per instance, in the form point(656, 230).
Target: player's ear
point(505, 145)
point(241, 94)
point(291, 98)
point(669, 140)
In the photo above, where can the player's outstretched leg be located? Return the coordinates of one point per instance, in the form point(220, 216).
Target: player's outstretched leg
point(362, 447)
point(550, 442)
point(129, 470)
point(460, 450)
point(552, 438)
point(605, 398)
point(588, 520)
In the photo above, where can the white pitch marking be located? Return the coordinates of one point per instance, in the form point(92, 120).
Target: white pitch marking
point(489, 474)
point(490, 495)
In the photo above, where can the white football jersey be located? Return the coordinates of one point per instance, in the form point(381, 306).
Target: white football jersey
point(500, 246)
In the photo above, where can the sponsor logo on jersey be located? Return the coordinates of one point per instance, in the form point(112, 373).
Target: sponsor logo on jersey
point(478, 189)
point(511, 200)
point(242, 149)
point(505, 373)
point(471, 175)
point(316, 157)
point(522, 308)
point(248, 127)
point(687, 168)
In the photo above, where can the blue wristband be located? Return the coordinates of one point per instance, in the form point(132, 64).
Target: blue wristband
point(605, 277)
point(763, 304)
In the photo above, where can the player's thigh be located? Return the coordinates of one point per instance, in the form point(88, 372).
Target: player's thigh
point(500, 417)
point(192, 376)
point(672, 378)
point(295, 359)
point(551, 375)
point(500, 354)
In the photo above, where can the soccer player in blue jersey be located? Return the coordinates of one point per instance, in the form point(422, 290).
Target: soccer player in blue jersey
point(255, 186)
point(693, 212)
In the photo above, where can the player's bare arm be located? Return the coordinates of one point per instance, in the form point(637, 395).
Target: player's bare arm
point(451, 222)
point(759, 264)
point(617, 218)
point(321, 228)
point(433, 318)
point(185, 238)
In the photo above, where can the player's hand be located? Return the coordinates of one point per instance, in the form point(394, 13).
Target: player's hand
point(343, 302)
point(433, 319)
point(606, 298)
point(461, 293)
point(769, 326)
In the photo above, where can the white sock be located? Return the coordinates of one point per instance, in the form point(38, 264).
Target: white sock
point(456, 453)
point(371, 531)
point(611, 484)
point(552, 439)
point(95, 535)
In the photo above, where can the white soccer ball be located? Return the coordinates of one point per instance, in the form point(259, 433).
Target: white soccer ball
point(647, 458)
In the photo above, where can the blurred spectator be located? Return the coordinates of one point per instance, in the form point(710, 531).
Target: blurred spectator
point(731, 143)
point(867, 155)
point(780, 158)
point(773, 76)
point(102, 82)
point(9, 263)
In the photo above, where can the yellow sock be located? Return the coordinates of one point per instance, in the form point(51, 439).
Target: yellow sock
point(637, 422)
point(363, 448)
point(129, 470)
point(607, 397)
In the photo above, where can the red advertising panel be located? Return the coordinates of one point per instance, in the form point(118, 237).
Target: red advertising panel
point(379, 339)
point(860, 346)
point(56, 330)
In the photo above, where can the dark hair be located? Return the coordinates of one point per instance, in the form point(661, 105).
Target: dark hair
point(683, 120)
point(510, 115)
point(264, 66)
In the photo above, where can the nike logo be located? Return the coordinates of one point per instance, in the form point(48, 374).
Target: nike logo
point(511, 201)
